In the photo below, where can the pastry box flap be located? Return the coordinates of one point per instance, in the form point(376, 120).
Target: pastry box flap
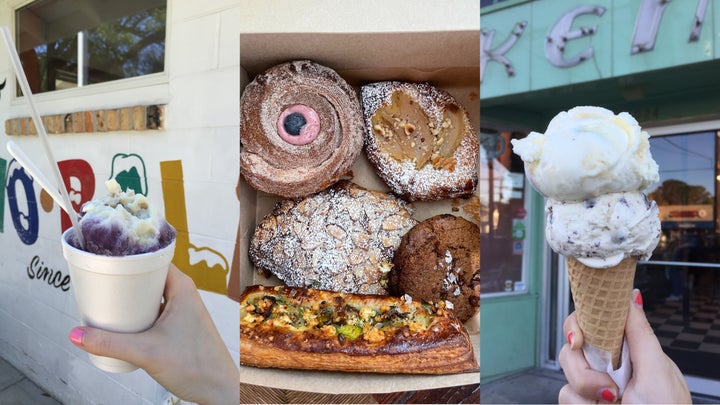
point(443, 58)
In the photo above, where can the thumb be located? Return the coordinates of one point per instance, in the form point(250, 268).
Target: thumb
point(122, 346)
point(643, 346)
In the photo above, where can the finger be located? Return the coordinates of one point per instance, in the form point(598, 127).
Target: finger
point(568, 396)
point(583, 380)
point(643, 346)
point(572, 331)
point(177, 281)
point(172, 280)
point(124, 346)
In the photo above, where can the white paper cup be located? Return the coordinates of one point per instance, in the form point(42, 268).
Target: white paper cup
point(117, 293)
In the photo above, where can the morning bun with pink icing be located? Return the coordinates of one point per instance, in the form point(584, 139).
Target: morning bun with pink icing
point(301, 129)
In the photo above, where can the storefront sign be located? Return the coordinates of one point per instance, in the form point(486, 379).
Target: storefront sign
point(582, 42)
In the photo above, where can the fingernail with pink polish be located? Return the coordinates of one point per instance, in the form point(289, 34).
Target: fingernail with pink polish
point(638, 298)
point(76, 336)
point(607, 395)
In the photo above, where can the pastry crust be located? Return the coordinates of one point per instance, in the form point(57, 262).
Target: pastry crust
point(445, 175)
point(340, 239)
point(275, 165)
point(386, 334)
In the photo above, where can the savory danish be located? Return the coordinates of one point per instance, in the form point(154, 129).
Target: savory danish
point(299, 328)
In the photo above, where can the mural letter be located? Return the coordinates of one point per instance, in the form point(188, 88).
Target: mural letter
point(79, 179)
point(25, 222)
point(206, 266)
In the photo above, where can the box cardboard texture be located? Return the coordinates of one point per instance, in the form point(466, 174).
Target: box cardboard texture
point(447, 59)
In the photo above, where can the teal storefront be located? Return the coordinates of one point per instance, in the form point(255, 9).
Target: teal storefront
point(658, 60)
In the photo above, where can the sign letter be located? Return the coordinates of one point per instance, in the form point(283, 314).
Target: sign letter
point(698, 21)
point(561, 32)
point(647, 25)
point(498, 54)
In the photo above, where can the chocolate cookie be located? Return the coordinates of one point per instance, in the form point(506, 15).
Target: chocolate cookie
point(439, 259)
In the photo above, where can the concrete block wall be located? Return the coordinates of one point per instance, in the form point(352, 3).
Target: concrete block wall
point(197, 140)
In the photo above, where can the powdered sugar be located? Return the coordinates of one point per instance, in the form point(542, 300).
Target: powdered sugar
point(341, 239)
point(403, 177)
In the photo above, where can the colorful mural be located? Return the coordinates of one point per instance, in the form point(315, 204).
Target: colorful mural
point(207, 267)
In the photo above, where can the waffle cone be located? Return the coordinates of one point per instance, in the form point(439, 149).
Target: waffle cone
point(602, 301)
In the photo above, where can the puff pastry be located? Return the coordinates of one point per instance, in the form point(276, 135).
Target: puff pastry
point(340, 239)
point(300, 129)
point(299, 328)
point(420, 140)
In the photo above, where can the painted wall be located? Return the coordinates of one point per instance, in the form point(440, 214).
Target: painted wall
point(190, 168)
point(510, 325)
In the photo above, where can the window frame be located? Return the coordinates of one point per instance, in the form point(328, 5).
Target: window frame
point(526, 259)
point(140, 90)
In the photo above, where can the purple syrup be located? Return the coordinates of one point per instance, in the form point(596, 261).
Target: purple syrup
point(112, 240)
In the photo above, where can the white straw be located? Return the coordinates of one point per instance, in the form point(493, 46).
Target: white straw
point(22, 79)
point(37, 175)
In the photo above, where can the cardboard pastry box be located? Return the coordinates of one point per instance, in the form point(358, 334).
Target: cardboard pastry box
point(447, 59)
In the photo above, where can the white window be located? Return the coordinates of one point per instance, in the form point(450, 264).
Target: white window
point(65, 43)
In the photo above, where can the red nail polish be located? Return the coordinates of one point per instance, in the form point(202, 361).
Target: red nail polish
point(76, 336)
point(638, 299)
point(570, 337)
point(607, 395)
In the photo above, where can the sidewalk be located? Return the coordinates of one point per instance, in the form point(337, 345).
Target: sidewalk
point(537, 386)
point(16, 389)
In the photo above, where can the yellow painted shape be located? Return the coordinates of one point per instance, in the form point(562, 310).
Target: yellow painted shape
point(206, 276)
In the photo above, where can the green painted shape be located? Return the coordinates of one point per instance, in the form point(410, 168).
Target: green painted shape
point(510, 325)
point(508, 335)
point(129, 171)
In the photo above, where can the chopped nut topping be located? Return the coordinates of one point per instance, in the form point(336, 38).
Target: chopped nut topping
point(405, 132)
point(440, 162)
point(409, 129)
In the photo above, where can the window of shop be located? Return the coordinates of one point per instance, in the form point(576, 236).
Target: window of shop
point(65, 44)
point(504, 222)
point(681, 281)
point(686, 196)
